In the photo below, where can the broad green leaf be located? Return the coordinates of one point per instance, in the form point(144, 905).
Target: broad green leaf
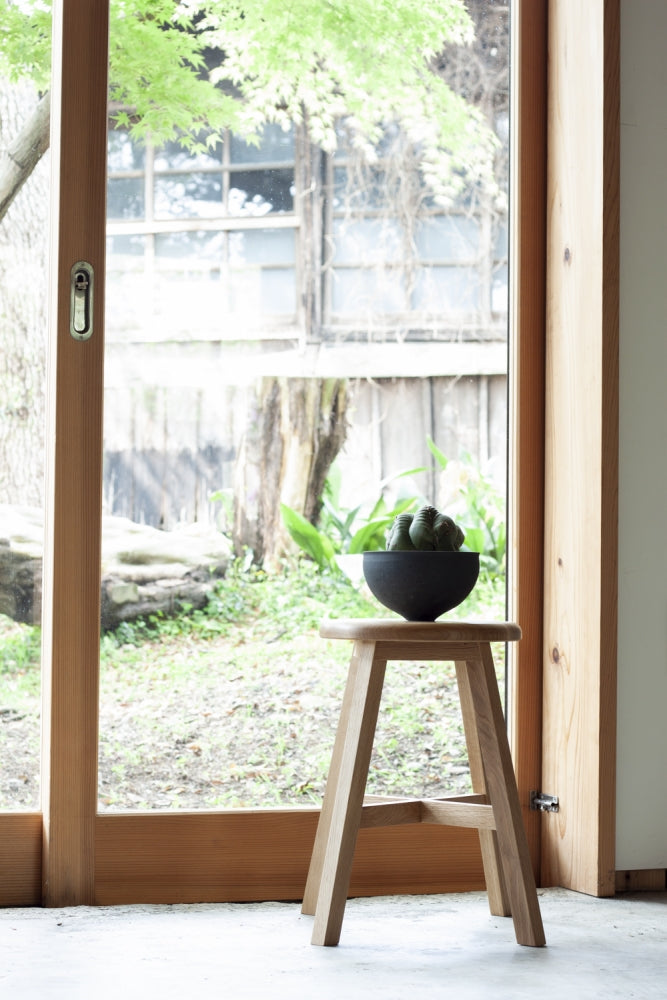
point(475, 539)
point(371, 536)
point(308, 538)
point(439, 456)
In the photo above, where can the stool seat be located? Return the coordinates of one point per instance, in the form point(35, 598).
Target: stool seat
point(377, 629)
point(493, 808)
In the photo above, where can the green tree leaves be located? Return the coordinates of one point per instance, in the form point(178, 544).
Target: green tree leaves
point(175, 68)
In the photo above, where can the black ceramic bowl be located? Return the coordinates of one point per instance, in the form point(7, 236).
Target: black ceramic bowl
point(421, 586)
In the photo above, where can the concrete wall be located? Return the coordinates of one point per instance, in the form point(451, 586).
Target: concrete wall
point(642, 631)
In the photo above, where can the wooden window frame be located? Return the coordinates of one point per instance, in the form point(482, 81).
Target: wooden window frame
point(69, 854)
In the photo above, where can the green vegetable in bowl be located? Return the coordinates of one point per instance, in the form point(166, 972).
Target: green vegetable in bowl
point(427, 530)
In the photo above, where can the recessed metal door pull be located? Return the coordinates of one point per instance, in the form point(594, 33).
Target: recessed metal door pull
point(81, 300)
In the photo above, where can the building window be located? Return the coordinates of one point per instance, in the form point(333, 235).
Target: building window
point(212, 244)
point(201, 244)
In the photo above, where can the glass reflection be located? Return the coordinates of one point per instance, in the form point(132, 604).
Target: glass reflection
point(188, 196)
point(276, 145)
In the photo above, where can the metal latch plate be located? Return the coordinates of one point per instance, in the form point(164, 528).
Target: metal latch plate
point(541, 802)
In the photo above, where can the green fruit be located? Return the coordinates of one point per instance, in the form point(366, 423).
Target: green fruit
point(428, 530)
point(398, 539)
point(449, 537)
point(422, 528)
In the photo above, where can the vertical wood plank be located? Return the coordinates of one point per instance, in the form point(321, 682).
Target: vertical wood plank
point(581, 445)
point(20, 859)
point(611, 234)
point(74, 457)
point(526, 401)
point(642, 880)
point(496, 888)
point(314, 879)
point(502, 793)
point(351, 774)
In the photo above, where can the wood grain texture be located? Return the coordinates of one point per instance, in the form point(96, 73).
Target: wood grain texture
point(347, 792)
point(319, 848)
point(501, 788)
point(459, 810)
point(642, 880)
point(581, 446)
point(458, 814)
point(494, 809)
point(496, 887)
point(256, 855)
point(393, 813)
point(20, 859)
point(396, 629)
point(74, 458)
point(528, 166)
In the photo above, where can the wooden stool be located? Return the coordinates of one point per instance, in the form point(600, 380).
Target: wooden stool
point(494, 807)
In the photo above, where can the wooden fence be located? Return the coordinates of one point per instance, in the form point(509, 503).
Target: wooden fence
point(168, 449)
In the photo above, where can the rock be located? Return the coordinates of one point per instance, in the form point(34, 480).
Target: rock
point(21, 545)
point(144, 571)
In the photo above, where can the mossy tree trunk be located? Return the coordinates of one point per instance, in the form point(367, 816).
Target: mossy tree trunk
point(296, 427)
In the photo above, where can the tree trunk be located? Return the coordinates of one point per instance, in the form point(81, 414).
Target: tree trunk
point(23, 307)
point(296, 427)
point(20, 158)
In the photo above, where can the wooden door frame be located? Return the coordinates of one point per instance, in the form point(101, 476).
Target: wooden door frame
point(249, 854)
point(581, 445)
point(72, 542)
point(526, 403)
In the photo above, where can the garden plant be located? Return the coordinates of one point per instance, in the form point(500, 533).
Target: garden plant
point(235, 705)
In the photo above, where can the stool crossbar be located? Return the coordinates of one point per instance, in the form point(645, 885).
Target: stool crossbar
point(493, 808)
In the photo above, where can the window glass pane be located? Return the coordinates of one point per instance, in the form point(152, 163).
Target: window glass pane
point(263, 292)
point(447, 237)
point(367, 241)
point(24, 279)
point(125, 198)
point(188, 196)
point(499, 289)
point(188, 293)
point(502, 240)
point(259, 192)
point(126, 285)
point(362, 291)
point(187, 253)
point(270, 290)
point(175, 156)
point(276, 146)
point(223, 707)
point(123, 152)
point(352, 195)
point(452, 290)
point(261, 246)
point(278, 291)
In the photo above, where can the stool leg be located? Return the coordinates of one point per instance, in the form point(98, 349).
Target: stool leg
point(499, 903)
point(348, 794)
point(504, 797)
point(324, 823)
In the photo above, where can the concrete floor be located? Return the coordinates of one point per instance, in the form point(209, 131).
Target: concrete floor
point(392, 947)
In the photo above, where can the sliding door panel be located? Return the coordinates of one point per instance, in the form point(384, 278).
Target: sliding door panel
point(72, 548)
point(205, 239)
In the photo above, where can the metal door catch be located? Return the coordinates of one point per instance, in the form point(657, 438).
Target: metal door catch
point(541, 802)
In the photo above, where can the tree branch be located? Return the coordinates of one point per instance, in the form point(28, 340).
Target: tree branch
point(21, 157)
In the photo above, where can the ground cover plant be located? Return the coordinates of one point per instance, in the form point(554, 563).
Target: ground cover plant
point(236, 706)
